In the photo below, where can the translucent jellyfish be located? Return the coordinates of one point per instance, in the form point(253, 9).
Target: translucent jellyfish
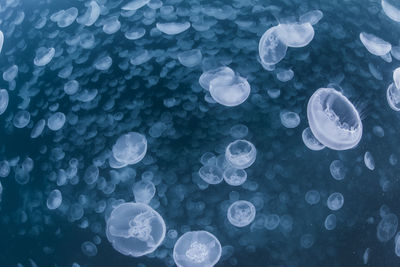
point(235, 177)
point(225, 73)
point(1, 40)
point(396, 77)
point(54, 199)
point(21, 119)
point(338, 170)
point(312, 17)
point(240, 154)
point(135, 34)
point(135, 4)
point(135, 229)
point(44, 56)
point(310, 141)
point(271, 221)
point(89, 249)
point(391, 9)
point(10, 74)
point(397, 245)
point(387, 227)
point(71, 87)
point(369, 161)
point(335, 201)
point(173, 28)
point(375, 45)
point(239, 131)
point(334, 120)
point(330, 222)
point(285, 75)
point(103, 63)
point(295, 34)
point(270, 48)
point(56, 121)
point(144, 191)
point(393, 97)
point(111, 25)
point(3, 100)
point(130, 148)
point(241, 213)
point(211, 174)
point(289, 119)
point(229, 91)
point(197, 248)
point(68, 17)
point(312, 197)
point(366, 256)
point(190, 58)
point(307, 240)
point(91, 15)
point(91, 174)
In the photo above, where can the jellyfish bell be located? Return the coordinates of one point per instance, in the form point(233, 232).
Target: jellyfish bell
point(241, 213)
point(270, 48)
point(135, 229)
point(130, 148)
point(333, 119)
point(240, 154)
point(393, 97)
point(197, 249)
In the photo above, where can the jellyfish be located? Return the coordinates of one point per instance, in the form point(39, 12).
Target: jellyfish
point(335, 201)
point(393, 97)
point(290, 119)
point(135, 229)
point(312, 17)
point(229, 91)
point(295, 34)
point(144, 191)
point(1, 40)
point(3, 100)
point(374, 44)
point(330, 222)
point(190, 58)
point(234, 177)
point(271, 221)
point(307, 240)
point(130, 148)
point(135, 5)
point(387, 227)
point(197, 248)
point(21, 119)
point(396, 77)
point(56, 121)
point(173, 28)
point(44, 56)
point(54, 199)
point(338, 170)
point(310, 141)
point(333, 119)
point(392, 9)
point(89, 249)
point(223, 73)
point(241, 213)
point(312, 197)
point(270, 48)
point(211, 174)
point(369, 161)
point(240, 154)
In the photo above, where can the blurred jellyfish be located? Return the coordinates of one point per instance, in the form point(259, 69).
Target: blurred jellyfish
point(391, 9)
point(312, 197)
point(387, 227)
point(135, 229)
point(54, 199)
point(271, 221)
point(270, 48)
point(1, 40)
point(397, 245)
point(135, 5)
point(330, 222)
point(173, 28)
point(307, 240)
point(290, 119)
point(130, 148)
point(3, 100)
point(56, 121)
point(312, 17)
point(338, 170)
point(335, 201)
point(241, 154)
point(310, 141)
point(396, 77)
point(393, 97)
point(221, 73)
point(333, 119)
point(144, 191)
point(44, 56)
point(21, 119)
point(197, 248)
point(241, 213)
point(234, 177)
point(369, 161)
point(4, 168)
point(375, 45)
point(211, 174)
point(89, 249)
point(190, 58)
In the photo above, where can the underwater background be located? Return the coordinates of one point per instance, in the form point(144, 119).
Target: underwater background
point(130, 74)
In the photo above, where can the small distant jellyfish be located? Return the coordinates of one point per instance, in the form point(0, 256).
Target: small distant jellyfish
point(240, 154)
point(89, 249)
point(4, 98)
point(374, 44)
point(190, 58)
point(270, 48)
point(211, 174)
point(4, 168)
point(335, 201)
point(197, 248)
point(307, 240)
point(312, 17)
point(241, 213)
point(392, 9)
point(295, 34)
point(56, 121)
point(271, 221)
point(369, 161)
point(310, 141)
point(338, 170)
point(330, 222)
point(135, 229)
point(387, 227)
point(334, 120)
point(54, 199)
point(396, 77)
point(130, 148)
point(21, 119)
point(235, 177)
point(144, 191)
point(290, 119)
point(44, 56)
point(397, 245)
point(239, 131)
point(393, 97)
point(312, 197)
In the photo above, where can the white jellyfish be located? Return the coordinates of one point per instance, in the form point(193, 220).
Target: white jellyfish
point(387, 227)
point(222, 73)
point(396, 77)
point(270, 48)
point(130, 148)
point(391, 9)
point(56, 121)
point(241, 213)
point(1, 40)
point(135, 229)
point(289, 119)
point(4, 98)
point(197, 248)
point(334, 120)
point(234, 177)
point(393, 97)
point(144, 191)
point(211, 174)
point(173, 28)
point(21, 119)
point(374, 44)
point(310, 141)
point(312, 17)
point(241, 154)
point(135, 5)
point(338, 170)
point(369, 161)
point(54, 199)
point(295, 34)
point(335, 201)
point(330, 222)
point(229, 91)
point(89, 249)
point(44, 56)
point(190, 58)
